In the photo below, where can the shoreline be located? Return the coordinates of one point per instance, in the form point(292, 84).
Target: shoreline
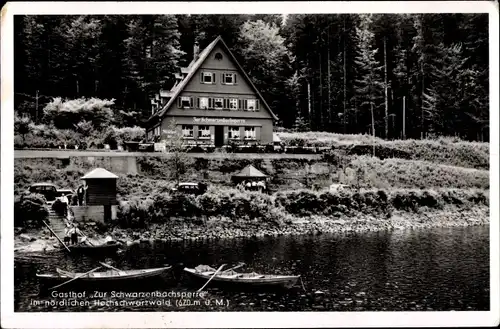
point(178, 230)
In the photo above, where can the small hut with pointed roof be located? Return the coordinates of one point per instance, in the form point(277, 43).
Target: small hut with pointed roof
point(249, 173)
point(100, 196)
point(101, 188)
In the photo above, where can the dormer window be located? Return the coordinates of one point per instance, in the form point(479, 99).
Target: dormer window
point(229, 78)
point(207, 78)
point(218, 56)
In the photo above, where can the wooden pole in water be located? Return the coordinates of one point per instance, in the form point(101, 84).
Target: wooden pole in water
point(56, 236)
point(301, 282)
point(220, 268)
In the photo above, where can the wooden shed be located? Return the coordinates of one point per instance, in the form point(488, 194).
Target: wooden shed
point(101, 188)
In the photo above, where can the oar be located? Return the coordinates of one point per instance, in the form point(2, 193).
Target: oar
point(87, 238)
point(109, 266)
point(235, 267)
point(56, 236)
point(76, 277)
point(220, 268)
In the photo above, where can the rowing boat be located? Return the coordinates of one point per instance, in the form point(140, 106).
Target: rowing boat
point(243, 279)
point(110, 276)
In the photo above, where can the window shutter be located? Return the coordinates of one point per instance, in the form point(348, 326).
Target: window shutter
point(213, 78)
point(245, 105)
point(256, 104)
point(191, 103)
point(179, 102)
point(222, 81)
point(201, 76)
point(197, 102)
point(210, 101)
point(234, 78)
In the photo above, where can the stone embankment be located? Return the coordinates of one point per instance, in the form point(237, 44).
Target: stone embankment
point(219, 228)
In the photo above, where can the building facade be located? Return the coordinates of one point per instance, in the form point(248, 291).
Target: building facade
point(212, 102)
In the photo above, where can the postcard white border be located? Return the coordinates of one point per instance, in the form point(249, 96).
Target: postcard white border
point(9, 319)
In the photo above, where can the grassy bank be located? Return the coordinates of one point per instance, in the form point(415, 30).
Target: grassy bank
point(445, 150)
point(155, 176)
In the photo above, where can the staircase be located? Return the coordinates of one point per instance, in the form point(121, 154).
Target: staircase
point(57, 223)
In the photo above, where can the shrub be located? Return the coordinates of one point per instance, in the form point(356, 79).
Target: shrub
point(135, 213)
point(30, 210)
point(22, 126)
point(64, 113)
point(129, 134)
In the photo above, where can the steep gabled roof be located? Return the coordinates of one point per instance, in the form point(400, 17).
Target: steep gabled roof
point(194, 66)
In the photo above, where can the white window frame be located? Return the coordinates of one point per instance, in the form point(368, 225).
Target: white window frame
point(250, 133)
point(205, 129)
point(203, 107)
point(254, 105)
point(185, 128)
point(231, 130)
point(207, 74)
point(189, 99)
point(233, 102)
point(233, 78)
point(221, 103)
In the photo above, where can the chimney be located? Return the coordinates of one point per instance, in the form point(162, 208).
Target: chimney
point(196, 50)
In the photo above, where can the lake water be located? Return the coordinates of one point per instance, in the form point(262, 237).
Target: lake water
point(403, 270)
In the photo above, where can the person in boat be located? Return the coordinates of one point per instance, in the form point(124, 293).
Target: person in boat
point(74, 231)
point(67, 237)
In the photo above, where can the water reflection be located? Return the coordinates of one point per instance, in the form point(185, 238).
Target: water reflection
point(439, 269)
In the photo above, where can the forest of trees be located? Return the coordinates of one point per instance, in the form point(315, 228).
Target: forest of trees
point(400, 76)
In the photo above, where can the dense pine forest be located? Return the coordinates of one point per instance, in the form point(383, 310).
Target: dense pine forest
point(397, 76)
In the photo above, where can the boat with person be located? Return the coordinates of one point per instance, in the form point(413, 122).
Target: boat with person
point(233, 278)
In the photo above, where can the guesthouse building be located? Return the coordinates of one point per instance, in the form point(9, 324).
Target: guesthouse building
point(213, 102)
